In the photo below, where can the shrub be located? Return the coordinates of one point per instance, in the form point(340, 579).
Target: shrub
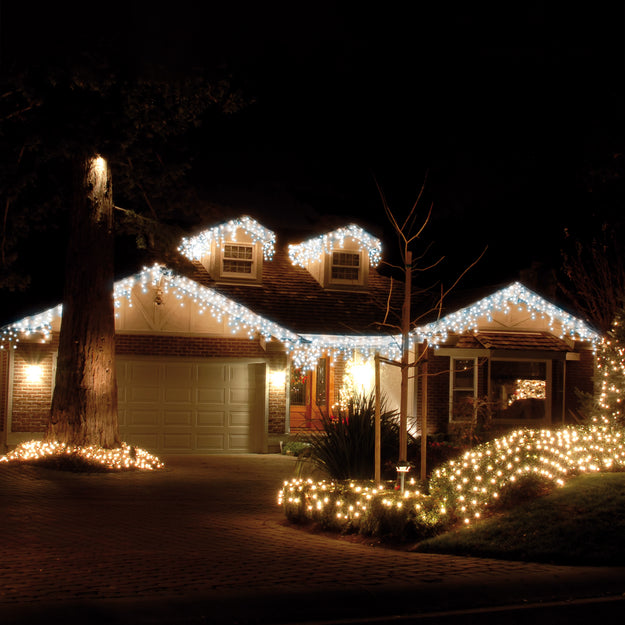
point(344, 447)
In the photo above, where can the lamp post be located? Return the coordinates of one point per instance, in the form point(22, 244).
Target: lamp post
point(402, 468)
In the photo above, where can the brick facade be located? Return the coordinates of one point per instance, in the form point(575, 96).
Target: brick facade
point(30, 401)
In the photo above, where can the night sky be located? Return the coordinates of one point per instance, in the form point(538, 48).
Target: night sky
point(506, 106)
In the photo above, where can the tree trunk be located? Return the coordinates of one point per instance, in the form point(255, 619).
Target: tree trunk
point(84, 404)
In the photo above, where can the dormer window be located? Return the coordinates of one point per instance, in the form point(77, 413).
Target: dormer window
point(345, 267)
point(238, 260)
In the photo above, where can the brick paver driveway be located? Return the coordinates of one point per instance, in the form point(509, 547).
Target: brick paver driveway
point(204, 541)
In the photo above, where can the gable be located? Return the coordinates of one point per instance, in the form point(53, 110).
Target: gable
point(513, 308)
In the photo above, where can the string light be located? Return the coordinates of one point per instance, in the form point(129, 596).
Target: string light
point(198, 246)
point(121, 458)
point(503, 301)
point(464, 488)
point(315, 249)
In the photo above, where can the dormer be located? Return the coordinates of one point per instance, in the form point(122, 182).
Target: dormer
point(233, 251)
point(339, 260)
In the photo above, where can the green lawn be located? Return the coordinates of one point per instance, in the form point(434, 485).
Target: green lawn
point(582, 523)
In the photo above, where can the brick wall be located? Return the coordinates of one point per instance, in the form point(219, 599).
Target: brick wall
point(31, 397)
point(276, 419)
point(438, 394)
point(579, 374)
point(31, 402)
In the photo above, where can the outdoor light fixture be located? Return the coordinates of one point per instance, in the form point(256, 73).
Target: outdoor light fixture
point(402, 468)
point(34, 373)
point(277, 378)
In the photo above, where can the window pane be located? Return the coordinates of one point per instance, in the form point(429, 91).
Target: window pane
point(238, 251)
point(237, 266)
point(320, 391)
point(298, 387)
point(463, 373)
point(519, 389)
point(346, 259)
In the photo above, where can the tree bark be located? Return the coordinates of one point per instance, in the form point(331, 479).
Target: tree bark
point(84, 403)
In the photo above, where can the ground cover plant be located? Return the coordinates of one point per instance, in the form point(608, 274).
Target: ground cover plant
point(581, 523)
point(461, 491)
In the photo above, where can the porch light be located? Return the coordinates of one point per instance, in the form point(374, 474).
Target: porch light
point(277, 378)
point(34, 373)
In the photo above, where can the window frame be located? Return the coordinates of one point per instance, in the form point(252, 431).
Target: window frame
point(252, 261)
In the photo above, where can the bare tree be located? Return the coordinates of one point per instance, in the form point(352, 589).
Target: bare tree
point(409, 232)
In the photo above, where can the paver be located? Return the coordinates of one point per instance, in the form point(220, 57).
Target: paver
point(208, 529)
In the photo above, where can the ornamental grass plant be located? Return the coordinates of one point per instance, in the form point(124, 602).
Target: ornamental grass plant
point(344, 447)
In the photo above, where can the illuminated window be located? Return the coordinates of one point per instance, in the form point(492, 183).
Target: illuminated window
point(519, 389)
point(345, 267)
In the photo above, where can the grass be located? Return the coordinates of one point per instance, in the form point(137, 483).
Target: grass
point(581, 523)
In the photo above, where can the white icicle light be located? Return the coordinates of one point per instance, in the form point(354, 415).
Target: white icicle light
point(198, 246)
point(515, 295)
point(314, 249)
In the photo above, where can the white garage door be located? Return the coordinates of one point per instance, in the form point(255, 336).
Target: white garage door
point(174, 405)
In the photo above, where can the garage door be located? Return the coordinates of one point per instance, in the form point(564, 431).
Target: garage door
point(188, 406)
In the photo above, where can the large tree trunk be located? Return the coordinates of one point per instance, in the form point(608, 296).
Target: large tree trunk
point(84, 404)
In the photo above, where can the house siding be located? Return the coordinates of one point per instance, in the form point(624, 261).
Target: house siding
point(30, 403)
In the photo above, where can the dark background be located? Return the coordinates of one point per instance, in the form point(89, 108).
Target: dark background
point(510, 108)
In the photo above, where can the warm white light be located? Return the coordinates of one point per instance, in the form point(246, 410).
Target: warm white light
point(277, 378)
point(34, 373)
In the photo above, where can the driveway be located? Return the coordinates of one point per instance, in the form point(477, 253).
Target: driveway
point(204, 541)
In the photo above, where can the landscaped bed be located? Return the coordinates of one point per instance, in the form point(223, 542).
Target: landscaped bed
point(522, 465)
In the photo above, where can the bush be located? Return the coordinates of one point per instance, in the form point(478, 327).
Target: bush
point(344, 448)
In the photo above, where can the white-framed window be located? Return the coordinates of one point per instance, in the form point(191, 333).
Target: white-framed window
point(238, 260)
point(462, 388)
point(346, 267)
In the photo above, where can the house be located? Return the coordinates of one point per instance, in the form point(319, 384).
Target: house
point(249, 340)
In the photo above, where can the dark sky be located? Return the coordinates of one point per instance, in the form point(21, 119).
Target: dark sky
point(506, 105)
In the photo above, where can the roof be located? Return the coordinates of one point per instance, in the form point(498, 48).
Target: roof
point(541, 341)
point(291, 297)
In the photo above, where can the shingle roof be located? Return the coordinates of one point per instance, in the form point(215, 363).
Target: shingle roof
point(541, 341)
point(291, 297)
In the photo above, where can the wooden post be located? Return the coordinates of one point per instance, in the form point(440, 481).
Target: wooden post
point(378, 433)
point(424, 409)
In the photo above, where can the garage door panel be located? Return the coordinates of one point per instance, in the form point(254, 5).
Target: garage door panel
point(240, 396)
point(142, 374)
point(211, 395)
point(211, 443)
point(177, 417)
point(143, 417)
point(239, 418)
point(176, 443)
point(174, 394)
point(147, 440)
point(188, 406)
point(238, 442)
point(211, 418)
point(211, 375)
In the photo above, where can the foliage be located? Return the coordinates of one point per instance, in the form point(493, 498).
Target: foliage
point(295, 448)
point(51, 115)
point(549, 528)
point(350, 507)
point(473, 420)
point(344, 447)
point(490, 476)
point(610, 375)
